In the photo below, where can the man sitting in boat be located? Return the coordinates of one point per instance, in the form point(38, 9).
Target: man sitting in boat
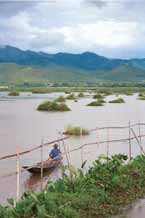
point(55, 153)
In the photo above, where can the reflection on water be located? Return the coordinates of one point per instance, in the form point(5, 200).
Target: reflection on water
point(22, 125)
point(136, 210)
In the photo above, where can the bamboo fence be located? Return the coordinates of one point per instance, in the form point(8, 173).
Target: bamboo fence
point(63, 139)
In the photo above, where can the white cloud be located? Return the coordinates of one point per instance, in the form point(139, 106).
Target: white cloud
point(105, 27)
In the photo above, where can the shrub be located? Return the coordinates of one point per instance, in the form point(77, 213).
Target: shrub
point(53, 106)
point(118, 100)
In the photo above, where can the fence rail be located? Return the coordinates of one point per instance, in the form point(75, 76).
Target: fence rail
point(131, 136)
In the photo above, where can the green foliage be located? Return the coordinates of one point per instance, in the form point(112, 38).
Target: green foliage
point(108, 186)
point(60, 99)
point(13, 93)
point(53, 106)
point(76, 131)
point(141, 96)
point(98, 96)
point(96, 103)
point(118, 100)
point(81, 95)
point(71, 97)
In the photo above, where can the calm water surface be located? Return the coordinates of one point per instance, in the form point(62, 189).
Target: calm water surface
point(22, 125)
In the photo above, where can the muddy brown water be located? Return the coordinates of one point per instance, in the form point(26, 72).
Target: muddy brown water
point(22, 125)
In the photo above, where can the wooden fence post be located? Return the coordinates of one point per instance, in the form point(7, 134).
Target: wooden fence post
point(138, 141)
point(18, 174)
point(139, 131)
point(130, 148)
point(108, 143)
point(81, 137)
point(42, 164)
point(67, 152)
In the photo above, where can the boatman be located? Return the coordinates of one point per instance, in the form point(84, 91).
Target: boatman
point(55, 153)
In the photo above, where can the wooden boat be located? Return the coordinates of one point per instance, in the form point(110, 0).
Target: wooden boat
point(47, 166)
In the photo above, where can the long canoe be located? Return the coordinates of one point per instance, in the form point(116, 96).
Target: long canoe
point(47, 166)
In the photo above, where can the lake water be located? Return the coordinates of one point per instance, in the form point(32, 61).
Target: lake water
point(22, 125)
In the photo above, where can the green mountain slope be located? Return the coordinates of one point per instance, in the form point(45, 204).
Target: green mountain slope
point(124, 73)
point(13, 73)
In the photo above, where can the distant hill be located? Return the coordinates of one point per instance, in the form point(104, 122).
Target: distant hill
point(18, 66)
point(14, 73)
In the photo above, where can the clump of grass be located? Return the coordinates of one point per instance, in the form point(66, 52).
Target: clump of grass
point(128, 93)
point(96, 103)
point(141, 94)
point(13, 93)
point(142, 97)
point(118, 100)
point(53, 106)
point(76, 131)
point(98, 96)
point(71, 97)
point(67, 92)
point(60, 99)
point(81, 95)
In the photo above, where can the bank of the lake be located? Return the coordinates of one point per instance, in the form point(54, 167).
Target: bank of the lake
point(107, 187)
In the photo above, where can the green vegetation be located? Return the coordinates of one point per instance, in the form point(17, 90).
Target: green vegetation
point(81, 95)
point(107, 187)
point(118, 100)
point(13, 93)
point(71, 97)
point(76, 131)
point(96, 103)
point(53, 106)
point(141, 96)
point(60, 99)
point(98, 96)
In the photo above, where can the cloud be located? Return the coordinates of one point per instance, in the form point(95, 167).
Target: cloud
point(10, 8)
point(97, 3)
point(114, 29)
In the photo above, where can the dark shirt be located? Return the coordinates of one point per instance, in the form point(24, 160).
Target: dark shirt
point(54, 152)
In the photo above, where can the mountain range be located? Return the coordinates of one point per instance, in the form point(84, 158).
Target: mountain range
point(17, 66)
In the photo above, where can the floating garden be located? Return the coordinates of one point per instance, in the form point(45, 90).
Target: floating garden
point(13, 93)
point(76, 131)
point(53, 106)
point(60, 99)
point(118, 100)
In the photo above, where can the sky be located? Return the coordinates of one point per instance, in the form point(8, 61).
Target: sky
point(112, 28)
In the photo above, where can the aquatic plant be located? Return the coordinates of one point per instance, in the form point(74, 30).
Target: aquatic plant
point(13, 93)
point(96, 103)
point(141, 96)
point(53, 106)
point(98, 96)
point(76, 131)
point(71, 97)
point(81, 95)
point(60, 99)
point(118, 100)
point(109, 185)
